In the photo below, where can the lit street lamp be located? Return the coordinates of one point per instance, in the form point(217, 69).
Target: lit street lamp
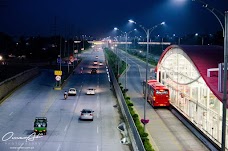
point(216, 12)
point(147, 31)
point(202, 39)
point(126, 33)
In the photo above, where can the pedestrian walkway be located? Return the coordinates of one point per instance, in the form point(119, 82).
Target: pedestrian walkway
point(167, 133)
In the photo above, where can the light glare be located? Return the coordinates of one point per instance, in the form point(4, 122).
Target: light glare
point(131, 21)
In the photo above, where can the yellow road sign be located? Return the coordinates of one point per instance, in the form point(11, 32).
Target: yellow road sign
point(58, 72)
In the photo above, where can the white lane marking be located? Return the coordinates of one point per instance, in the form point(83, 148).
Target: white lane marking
point(97, 129)
point(66, 128)
point(97, 148)
point(97, 115)
point(10, 113)
point(58, 149)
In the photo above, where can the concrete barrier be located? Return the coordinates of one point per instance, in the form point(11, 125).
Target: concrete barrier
point(8, 85)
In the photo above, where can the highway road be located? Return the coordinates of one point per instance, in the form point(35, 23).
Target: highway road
point(166, 132)
point(65, 132)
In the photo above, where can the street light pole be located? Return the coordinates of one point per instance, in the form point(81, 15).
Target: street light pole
point(225, 35)
point(223, 147)
point(83, 42)
point(146, 98)
point(126, 33)
point(126, 63)
point(147, 31)
point(60, 56)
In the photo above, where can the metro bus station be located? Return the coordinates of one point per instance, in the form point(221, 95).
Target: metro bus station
point(193, 77)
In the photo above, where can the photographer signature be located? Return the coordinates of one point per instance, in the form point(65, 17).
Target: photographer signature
point(10, 135)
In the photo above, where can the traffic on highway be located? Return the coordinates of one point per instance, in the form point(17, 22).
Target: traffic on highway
point(37, 117)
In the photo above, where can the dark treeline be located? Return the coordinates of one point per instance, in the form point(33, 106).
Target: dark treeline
point(39, 48)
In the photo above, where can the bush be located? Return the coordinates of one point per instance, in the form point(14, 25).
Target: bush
point(127, 98)
point(130, 104)
point(139, 126)
point(144, 139)
point(121, 87)
point(147, 145)
point(135, 116)
point(144, 134)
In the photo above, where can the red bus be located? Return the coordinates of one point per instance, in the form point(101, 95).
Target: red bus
point(158, 94)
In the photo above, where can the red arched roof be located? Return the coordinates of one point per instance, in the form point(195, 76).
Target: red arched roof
point(203, 57)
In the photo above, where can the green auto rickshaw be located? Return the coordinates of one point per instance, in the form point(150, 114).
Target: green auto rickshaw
point(40, 125)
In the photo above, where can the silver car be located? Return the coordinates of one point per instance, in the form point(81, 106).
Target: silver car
point(86, 114)
point(72, 91)
point(90, 91)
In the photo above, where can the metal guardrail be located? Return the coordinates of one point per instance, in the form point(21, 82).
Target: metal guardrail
point(136, 141)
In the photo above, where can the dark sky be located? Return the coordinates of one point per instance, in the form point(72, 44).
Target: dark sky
point(97, 18)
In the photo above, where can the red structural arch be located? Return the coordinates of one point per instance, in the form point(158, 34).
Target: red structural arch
point(203, 57)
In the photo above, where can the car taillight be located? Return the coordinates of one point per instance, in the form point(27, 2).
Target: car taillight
point(91, 114)
point(81, 113)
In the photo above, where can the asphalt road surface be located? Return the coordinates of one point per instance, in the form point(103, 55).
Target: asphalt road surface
point(65, 132)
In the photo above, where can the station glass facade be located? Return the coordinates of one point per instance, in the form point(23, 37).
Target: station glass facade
point(190, 94)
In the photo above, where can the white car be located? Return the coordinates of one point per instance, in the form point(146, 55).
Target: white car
point(95, 63)
point(86, 114)
point(72, 91)
point(90, 91)
point(101, 64)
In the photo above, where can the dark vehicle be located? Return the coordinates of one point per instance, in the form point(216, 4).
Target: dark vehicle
point(40, 125)
point(93, 71)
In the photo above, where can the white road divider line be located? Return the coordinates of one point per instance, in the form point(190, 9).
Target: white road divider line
point(59, 147)
point(97, 129)
point(10, 113)
point(97, 147)
point(66, 128)
point(97, 115)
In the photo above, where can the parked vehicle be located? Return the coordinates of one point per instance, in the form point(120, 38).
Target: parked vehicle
point(158, 94)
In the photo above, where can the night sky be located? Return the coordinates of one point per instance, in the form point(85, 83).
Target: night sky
point(97, 18)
